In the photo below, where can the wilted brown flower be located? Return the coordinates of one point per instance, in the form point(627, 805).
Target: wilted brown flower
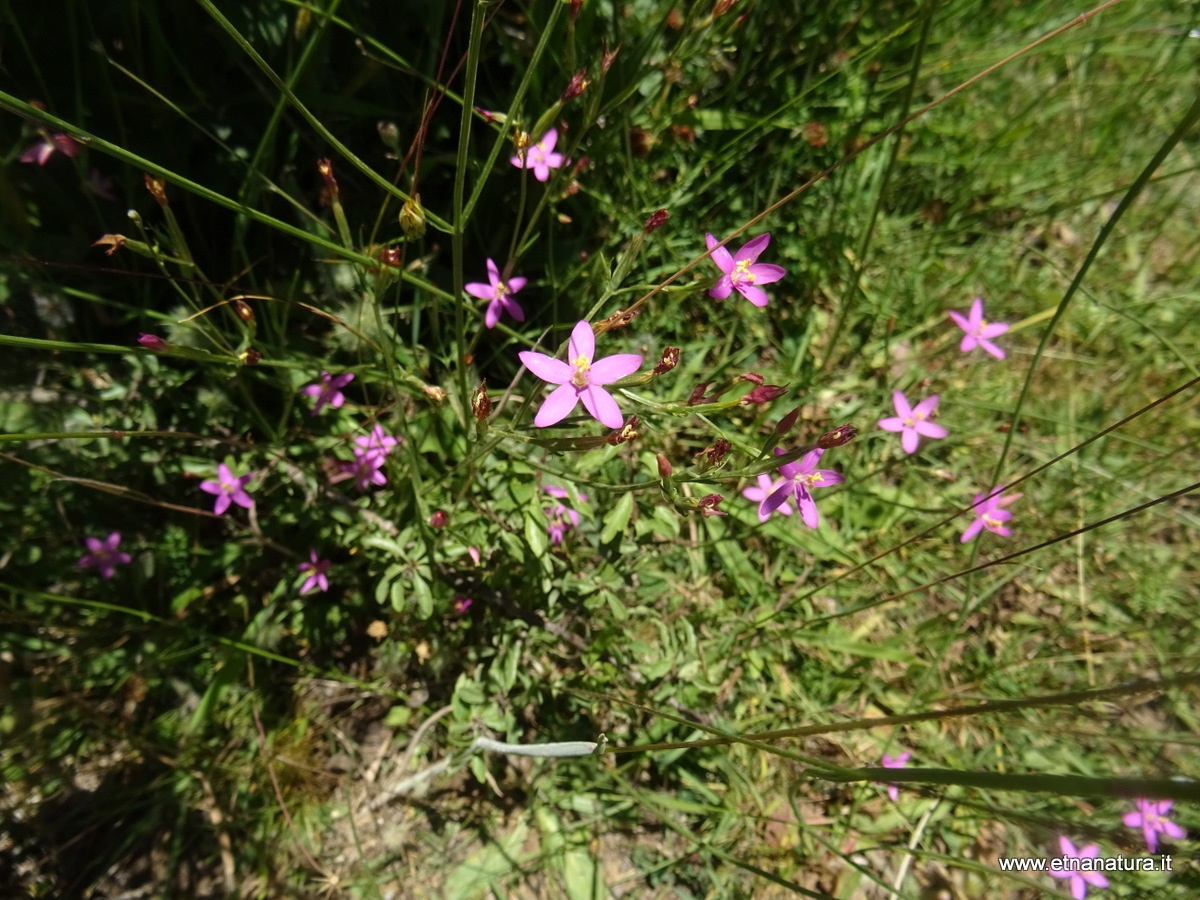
point(669, 360)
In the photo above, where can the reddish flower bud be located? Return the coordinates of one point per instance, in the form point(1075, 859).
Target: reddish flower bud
point(438, 519)
point(665, 469)
point(764, 394)
point(836, 438)
point(786, 423)
point(753, 378)
point(669, 360)
point(698, 394)
point(391, 256)
point(656, 221)
point(245, 313)
point(157, 188)
point(606, 60)
point(114, 241)
point(708, 505)
point(577, 85)
point(576, 6)
point(722, 7)
point(152, 342)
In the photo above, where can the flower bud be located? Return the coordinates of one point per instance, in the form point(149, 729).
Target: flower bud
point(389, 133)
point(245, 313)
point(786, 423)
point(157, 188)
point(434, 393)
point(665, 469)
point(391, 256)
point(657, 219)
point(577, 85)
point(573, 10)
point(722, 7)
point(752, 377)
point(698, 394)
point(836, 438)
point(412, 218)
point(152, 342)
point(669, 360)
point(325, 167)
point(438, 519)
point(481, 403)
point(250, 357)
point(764, 394)
point(608, 57)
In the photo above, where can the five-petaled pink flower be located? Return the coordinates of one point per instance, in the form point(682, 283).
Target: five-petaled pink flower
point(462, 603)
point(104, 555)
point(895, 762)
point(41, 152)
point(979, 330)
point(799, 480)
point(377, 442)
point(1078, 881)
point(540, 156)
point(913, 421)
point(1151, 817)
point(328, 390)
point(760, 493)
point(742, 272)
point(562, 518)
point(228, 489)
point(366, 469)
point(580, 379)
point(991, 514)
point(499, 292)
point(316, 569)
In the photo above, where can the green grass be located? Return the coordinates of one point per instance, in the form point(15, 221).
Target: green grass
point(195, 726)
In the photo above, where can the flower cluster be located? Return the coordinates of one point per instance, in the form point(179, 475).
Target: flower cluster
point(370, 453)
point(562, 518)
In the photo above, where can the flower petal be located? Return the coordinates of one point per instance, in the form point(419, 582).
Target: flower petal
point(722, 289)
point(909, 440)
point(601, 405)
point(516, 283)
point(582, 343)
point(991, 348)
point(891, 424)
point(903, 408)
point(755, 295)
point(609, 369)
point(976, 314)
point(557, 406)
point(720, 255)
point(752, 248)
point(960, 320)
point(973, 529)
point(778, 497)
point(549, 139)
point(926, 407)
point(514, 308)
point(546, 367)
point(493, 272)
point(492, 316)
point(931, 430)
point(765, 273)
point(482, 291)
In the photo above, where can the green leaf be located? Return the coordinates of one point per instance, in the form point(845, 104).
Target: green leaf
point(618, 518)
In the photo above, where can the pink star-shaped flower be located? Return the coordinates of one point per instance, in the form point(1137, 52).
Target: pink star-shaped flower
point(540, 156)
point(913, 421)
point(895, 762)
point(41, 152)
point(800, 478)
point(990, 514)
point(316, 569)
point(328, 390)
point(365, 470)
point(979, 330)
point(760, 493)
point(580, 380)
point(741, 271)
point(1078, 881)
point(1151, 817)
point(228, 489)
point(378, 442)
point(562, 518)
point(104, 555)
point(499, 292)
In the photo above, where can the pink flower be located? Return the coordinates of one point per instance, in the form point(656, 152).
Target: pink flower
point(366, 469)
point(978, 330)
point(328, 390)
point(377, 442)
point(462, 604)
point(741, 271)
point(540, 156)
point(104, 555)
point(1152, 818)
point(316, 569)
point(913, 422)
point(41, 152)
point(152, 342)
point(228, 490)
point(895, 762)
point(499, 293)
point(580, 380)
point(1078, 881)
point(990, 514)
point(799, 479)
point(758, 494)
point(562, 518)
